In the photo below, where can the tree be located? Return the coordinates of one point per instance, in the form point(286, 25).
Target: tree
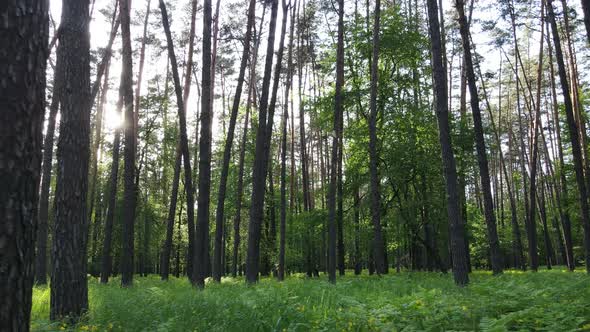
point(573, 131)
point(22, 96)
point(69, 289)
point(219, 216)
point(202, 232)
point(338, 113)
point(129, 195)
point(188, 184)
point(456, 224)
point(532, 227)
point(107, 259)
point(43, 219)
point(378, 245)
point(586, 9)
point(259, 170)
point(482, 159)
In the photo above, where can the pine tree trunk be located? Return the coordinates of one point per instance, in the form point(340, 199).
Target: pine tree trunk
point(219, 216)
point(564, 215)
point(165, 263)
point(43, 219)
point(573, 130)
point(338, 110)
point(130, 150)
point(201, 256)
point(184, 148)
point(532, 227)
point(69, 288)
point(373, 153)
point(106, 265)
point(494, 243)
point(586, 9)
point(24, 37)
point(259, 171)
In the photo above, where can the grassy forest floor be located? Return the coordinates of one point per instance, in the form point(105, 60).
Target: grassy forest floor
point(548, 300)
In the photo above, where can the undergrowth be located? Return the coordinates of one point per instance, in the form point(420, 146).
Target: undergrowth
point(410, 301)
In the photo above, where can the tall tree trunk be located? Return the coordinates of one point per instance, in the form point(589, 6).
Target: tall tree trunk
point(106, 265)
point(43, 219)
point(532, 227)
point(129, 197)
point(338, 110)
point(188, 182)
point(69, 288)
point(97, 143)
point(285, 121)
point(564, 215)
point(202, 233)
point(24, 37)
point(166, 250)
point(573, 130)
point(586, 9)
point(240, 185)
point(219, 216)
point(494, 243)
point(357, 230)
point(259, 171)
point(456, 224)
point(373, 147)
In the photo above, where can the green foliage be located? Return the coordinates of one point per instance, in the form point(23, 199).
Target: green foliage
point(548, 300)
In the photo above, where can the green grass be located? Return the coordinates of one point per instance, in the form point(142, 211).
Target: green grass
point(548, 300)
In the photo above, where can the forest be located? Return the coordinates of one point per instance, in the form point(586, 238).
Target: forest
point(294, 165)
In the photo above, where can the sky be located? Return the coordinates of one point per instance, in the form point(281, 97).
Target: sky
point(100, 29)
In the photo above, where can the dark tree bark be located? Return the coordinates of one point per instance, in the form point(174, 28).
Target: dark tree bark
point(494, 243)
point(69, 288)
point(129, 197)
point(43, 219)
point(586, 9)
point(532, 227)
point(106, 265)
point(219, 216)
point(338, 110)
point(23, 57)
point(259, 171)
point(373, 153)
point(202, 232)
point(165, 263)
point(357, 230)
point(94, 228)
point(177, 166)
point(184, 149)
point(573, 130)
point(564, 213)
point(456, 224)
point(285, 121)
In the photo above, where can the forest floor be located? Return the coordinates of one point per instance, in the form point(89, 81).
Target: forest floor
point(411, 301)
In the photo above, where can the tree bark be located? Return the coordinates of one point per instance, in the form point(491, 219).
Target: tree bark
point(219, 216)
point(129, 197)
point(43, 219)
point(112, 199)
point(184, 149)
point(456, 224)
point(259, 171)
point(338, 108)
point(496, 258)
point(24, 37)
point(586, 9)
point(202, 233)
point(532, 227)
point(573, 130)
point(69, 288)
point(373, 153)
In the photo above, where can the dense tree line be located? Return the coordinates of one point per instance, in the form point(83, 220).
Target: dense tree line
point(353, 135)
